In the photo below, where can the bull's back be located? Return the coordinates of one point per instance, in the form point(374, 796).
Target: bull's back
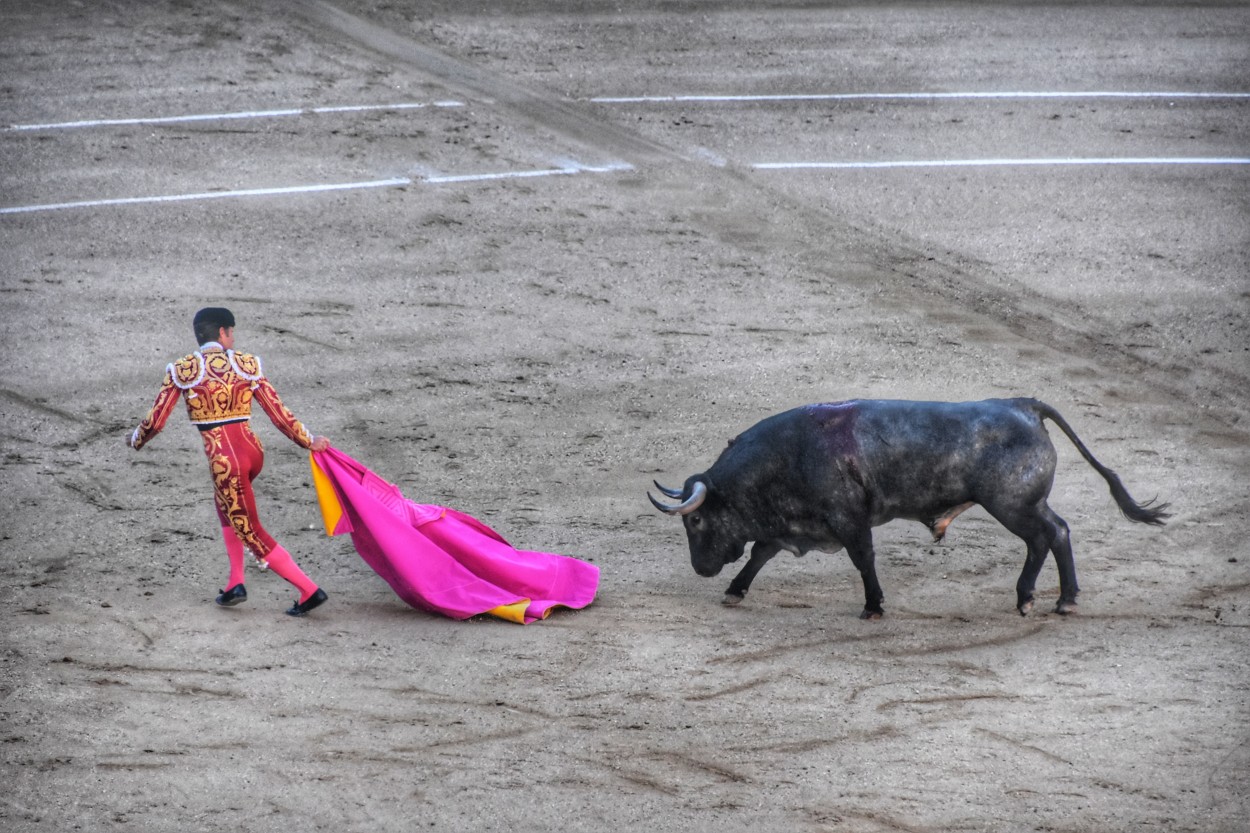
point(923, 458)
point(905, 459)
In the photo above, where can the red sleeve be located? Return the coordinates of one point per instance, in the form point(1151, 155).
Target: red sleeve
point(152, 424)
point(281, 416)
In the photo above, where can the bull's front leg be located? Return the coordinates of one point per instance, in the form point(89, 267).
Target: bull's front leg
point(863, 556)
point(761, 553)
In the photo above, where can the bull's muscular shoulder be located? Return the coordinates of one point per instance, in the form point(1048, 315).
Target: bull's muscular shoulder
point(833, 424)
point(834, 414)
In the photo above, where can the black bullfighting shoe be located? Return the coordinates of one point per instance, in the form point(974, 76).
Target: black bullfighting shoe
point(235, 595)
point(315, 600)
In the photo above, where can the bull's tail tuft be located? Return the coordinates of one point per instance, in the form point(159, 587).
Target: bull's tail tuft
point(1150, 512)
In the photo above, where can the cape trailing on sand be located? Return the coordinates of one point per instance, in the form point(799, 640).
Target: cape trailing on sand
point(441, 560)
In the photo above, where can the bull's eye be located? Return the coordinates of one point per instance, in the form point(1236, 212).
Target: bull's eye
point(696, 520)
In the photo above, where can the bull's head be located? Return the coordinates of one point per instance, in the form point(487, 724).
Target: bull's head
point(713, 528)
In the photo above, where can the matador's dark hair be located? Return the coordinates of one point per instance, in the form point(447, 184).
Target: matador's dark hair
point(208, 321)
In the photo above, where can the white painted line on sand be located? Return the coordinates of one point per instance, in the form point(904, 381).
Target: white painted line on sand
point(572, 168)
point(562, 171)
point(212, 195)
point(503, 175)
point(975, 163)
point(717, 99)
point(248, 114)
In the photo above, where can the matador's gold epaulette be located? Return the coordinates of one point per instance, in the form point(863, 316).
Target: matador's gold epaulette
point(247, 365)
point(188, 371)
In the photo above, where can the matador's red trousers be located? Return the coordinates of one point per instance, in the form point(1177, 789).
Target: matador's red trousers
point(235, 459)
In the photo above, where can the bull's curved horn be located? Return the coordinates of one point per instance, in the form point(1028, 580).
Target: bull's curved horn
point(697, 496)
point(673, 493)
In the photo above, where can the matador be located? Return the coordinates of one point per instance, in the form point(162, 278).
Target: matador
point(219, 386)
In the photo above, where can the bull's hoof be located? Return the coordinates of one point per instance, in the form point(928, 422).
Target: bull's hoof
point(732, 600)
point(1025, 607)
point(1065, 608)
point(871, 614)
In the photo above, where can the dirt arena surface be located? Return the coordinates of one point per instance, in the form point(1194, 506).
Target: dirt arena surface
point(552, 281)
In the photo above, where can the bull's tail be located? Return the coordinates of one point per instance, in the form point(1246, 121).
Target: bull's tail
point(1150, 512)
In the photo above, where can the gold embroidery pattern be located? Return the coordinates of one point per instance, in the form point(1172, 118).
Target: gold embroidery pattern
point(188, 371)
point(219, 386)
point(247, 365)
point(166, 399)
point(222, 394)
point(280, 414)
point(232, 487)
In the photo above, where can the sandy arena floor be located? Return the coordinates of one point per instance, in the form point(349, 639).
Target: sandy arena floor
point(569, 249)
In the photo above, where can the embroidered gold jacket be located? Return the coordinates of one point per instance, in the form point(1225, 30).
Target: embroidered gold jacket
point(218, 386)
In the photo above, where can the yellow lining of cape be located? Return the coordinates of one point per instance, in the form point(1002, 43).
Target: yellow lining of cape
point(327, 499)
point(514, 612)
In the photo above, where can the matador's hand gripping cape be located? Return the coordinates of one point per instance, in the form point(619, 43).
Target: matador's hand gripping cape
point(219, 386)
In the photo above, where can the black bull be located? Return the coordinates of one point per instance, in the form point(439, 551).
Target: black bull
point(821, 477)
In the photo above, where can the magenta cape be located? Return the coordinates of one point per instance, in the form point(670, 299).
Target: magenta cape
point(441, 560)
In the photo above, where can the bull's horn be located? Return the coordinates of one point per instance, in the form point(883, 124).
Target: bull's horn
point(674, 493)
point(688, 505)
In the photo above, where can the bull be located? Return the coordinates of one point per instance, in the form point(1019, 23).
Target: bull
point(820, 477)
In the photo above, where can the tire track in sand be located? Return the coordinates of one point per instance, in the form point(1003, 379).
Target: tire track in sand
point(537, 107)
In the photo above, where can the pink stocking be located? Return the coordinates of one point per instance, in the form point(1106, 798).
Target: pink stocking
point(234, 551)
point(280, 562)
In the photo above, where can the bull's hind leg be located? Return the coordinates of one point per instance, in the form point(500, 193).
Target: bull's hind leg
point(1042, 531)
point(1032, 568)
point(1061, 546)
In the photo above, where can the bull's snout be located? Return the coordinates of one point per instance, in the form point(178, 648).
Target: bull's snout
point(706, 570)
